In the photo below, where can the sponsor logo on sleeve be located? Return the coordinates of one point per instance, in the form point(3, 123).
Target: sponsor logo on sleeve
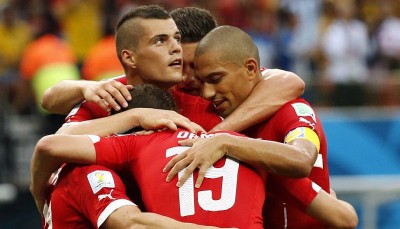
point(304, 110)
point(100, 179)
point(102, 196)
point(311, 124)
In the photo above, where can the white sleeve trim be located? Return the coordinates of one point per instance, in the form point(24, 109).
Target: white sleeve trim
point(69, 124)
point(111, 208)
point(319, 162)
point(316, 187)
point(94, 138)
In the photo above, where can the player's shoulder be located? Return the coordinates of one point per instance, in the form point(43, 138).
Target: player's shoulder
point(298, 103)
point(299, 108)
point(85, 111)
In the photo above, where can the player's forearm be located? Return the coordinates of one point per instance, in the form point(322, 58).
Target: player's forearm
point(333, 212)
point(52, 151)
point(268, 96)
point(152, 220)
point(106, 126)
point(42, 166)
point(347, 218)
point(270, 156)
point(63, 96)
point(131, 217)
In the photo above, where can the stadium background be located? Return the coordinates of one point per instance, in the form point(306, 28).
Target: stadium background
point(362, 122)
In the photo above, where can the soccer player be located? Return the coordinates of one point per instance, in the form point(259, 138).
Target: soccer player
point(209, 122)
point(94, 196)
point(229, 72)
point(224, 199)
point(193, 24)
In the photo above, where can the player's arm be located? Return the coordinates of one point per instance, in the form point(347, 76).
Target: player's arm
point(50, 153)
point(132, 217)
point(310, 198)
point(291, 160)
point(62, 97)
point(333, 212)
point(277, 88)
point(147, 118)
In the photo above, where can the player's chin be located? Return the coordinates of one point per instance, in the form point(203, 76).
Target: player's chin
point(176, 76)
point(170, 81)
point(224, 110)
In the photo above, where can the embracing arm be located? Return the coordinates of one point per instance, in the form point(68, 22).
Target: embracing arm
point(50, 153)
point(147, 118)
point(62, 97)
point(310, 198)
point(132, 217)
point(277, 88)
point(333, 212)
point(294, 159)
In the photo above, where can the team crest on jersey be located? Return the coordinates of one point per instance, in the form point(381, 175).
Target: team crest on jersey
point(100, 179)
point(302, 109)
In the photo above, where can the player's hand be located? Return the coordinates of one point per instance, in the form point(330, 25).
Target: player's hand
point(204, 152)
point(106, 94)
point(153, 119)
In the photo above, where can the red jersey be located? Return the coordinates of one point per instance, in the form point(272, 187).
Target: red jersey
point(294, 114)
point(224, 199)
point(84, 197)
point(195, 108)
point(232, 195)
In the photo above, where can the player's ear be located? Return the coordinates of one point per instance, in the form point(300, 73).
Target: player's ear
point(129, 58)
point(251, 68)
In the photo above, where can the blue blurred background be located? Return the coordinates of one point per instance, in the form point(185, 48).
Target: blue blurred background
point(364, 162)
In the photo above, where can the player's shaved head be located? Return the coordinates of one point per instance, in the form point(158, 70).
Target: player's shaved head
point(231, 43)
point(129, 30)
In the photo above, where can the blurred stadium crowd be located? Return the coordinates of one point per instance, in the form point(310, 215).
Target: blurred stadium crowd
point(347, 51)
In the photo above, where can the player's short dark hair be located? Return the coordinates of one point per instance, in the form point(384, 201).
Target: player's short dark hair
point(144, 12)
point(150, 96)
point(193, 23)
point(128, 31)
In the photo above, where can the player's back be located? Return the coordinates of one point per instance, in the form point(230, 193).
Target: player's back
point(231, 195)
